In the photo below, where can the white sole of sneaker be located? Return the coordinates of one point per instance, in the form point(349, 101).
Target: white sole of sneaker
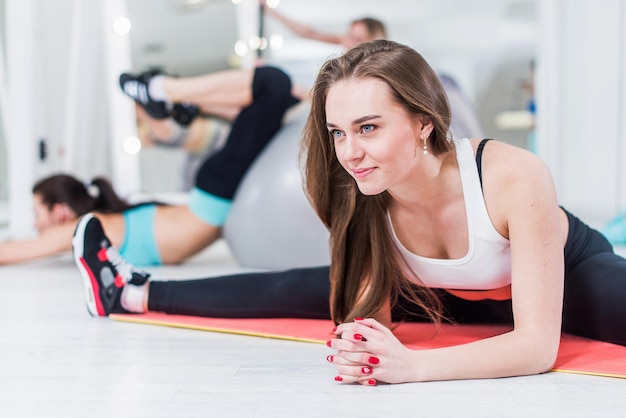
point(89, 281)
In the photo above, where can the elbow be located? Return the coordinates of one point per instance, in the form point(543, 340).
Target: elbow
point(544, 357)
point(546, 364)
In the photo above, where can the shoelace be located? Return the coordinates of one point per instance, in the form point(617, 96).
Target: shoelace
point(124, 269)
point(137, 90)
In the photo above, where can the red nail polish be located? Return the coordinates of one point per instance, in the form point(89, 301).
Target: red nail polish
point(373, 360)
point(330, 359)
point(334, 329)
point(366, 370)
point(358, 337)
point(329, 342)
point(358, 319)
point(371, 382)
point(338, 379)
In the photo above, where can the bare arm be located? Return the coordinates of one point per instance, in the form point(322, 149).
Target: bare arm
point(526, 206)
point(303, 30)
point(53, 241)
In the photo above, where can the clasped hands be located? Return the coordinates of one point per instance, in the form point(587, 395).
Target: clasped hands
point(367, 353)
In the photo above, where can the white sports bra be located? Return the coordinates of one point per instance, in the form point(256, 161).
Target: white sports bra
point(487, 264)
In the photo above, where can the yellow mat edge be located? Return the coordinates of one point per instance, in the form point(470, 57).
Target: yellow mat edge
point(574, 371)
point(214, 329)
point(124, 318)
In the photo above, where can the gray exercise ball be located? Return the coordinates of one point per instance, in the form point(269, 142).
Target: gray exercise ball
point(271, 224)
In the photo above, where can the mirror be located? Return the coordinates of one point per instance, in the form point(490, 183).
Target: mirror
point(487, 46)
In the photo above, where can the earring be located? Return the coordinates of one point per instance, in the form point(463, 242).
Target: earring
point(425, 152)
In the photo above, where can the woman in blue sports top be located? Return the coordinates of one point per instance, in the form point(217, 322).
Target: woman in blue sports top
point(441, 228)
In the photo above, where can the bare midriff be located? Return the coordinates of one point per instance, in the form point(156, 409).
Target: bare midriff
point(503, 293)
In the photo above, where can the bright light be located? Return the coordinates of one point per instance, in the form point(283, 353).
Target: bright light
point(241, 48)
point(263, 44)
point(236, 1)
point(131, 145)
point(276, 41)
point(272, 4)
point(254, 42)
point(121, 25)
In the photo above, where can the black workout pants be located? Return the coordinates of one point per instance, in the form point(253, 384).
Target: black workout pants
point(250, 132)
point(594, 304)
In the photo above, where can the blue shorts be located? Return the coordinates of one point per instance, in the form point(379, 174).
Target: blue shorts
point(139, 246)
point(208, 207)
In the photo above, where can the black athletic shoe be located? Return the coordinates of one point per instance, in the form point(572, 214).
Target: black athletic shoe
point(136, 87)
point(103, 270)
point(184, 113)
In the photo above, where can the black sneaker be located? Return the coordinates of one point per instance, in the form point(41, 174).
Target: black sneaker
point(136, 87)
point(184, 113)
point(103, 270)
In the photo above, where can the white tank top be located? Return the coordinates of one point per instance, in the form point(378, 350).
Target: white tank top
point(487, 264)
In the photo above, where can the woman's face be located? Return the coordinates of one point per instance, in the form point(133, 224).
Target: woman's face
point(376, 141)
point(46, 217)
point(43, 215)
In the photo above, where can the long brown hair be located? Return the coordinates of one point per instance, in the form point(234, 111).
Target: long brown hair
point(364, 271)
point(99, 195)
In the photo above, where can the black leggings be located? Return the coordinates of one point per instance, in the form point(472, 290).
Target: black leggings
point(250, 132)
point(296, 293)
point(594, 304)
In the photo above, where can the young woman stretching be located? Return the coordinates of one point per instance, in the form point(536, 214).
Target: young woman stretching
point(462, 229)
point(152, 234)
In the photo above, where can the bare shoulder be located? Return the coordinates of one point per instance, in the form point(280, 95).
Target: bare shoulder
point(502, 162)
point(515, 183)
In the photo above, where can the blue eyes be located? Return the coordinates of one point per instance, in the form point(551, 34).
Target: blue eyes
point(364, 129)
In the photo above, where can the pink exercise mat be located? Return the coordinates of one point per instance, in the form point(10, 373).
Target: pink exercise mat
point(576, 354)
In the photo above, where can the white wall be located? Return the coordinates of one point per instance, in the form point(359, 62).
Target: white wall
point(75, 123)
point(580, 97)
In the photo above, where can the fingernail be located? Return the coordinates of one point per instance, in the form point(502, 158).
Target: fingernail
point(358, 319)
point(329, 342)
point(358, 337)
point(366, 370)
point(334, 329)
point(330, 359)
point(371, 382)
point(338, 379)
point(373, 360)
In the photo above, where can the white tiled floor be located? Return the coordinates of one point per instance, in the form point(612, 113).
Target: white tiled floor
point(57, 361)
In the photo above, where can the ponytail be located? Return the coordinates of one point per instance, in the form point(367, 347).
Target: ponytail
point(95, 196)
point(105, 198)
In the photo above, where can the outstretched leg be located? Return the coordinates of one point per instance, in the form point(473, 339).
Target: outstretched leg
point(297, 293)
point(114, 286)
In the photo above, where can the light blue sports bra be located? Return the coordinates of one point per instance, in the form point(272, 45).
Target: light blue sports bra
point(487, 264)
